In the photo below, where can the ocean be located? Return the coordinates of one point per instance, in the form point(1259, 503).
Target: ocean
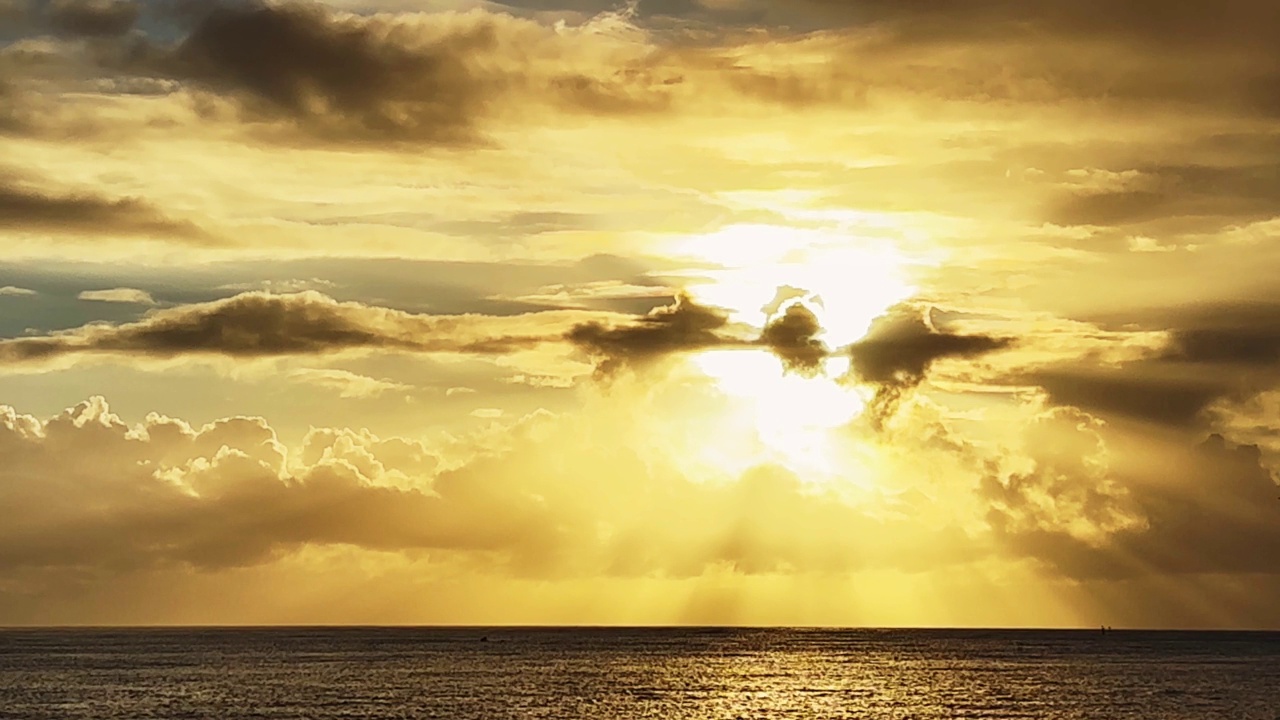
point(612, 674)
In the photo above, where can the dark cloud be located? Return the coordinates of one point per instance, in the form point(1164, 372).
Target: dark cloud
point(13, 118)
point(684, 326)
point(901, 347)
point(93, 18)
point(258, 324)
point(1138, 392)
point(1207, 508)
point(344, 78)
point(14, 12)
point(264, 324)
point(1137, 55)
point(337, 78)
point(1215, 352)
point(628, 91)
point(1244, 335)
point(26, 209)
point(1168, 24)
point(793, 338)
point(1212, 196)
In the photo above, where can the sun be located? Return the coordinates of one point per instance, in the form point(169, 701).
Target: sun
point(796, 420)
point(755, 272)
point(848, 281)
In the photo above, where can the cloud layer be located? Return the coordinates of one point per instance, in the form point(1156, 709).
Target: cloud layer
point(258, 324)
point(1069, 210)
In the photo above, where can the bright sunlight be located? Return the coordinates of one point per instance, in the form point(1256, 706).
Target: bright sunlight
point(847, 285)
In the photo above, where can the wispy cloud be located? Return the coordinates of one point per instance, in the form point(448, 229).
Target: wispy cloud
point(131, 296)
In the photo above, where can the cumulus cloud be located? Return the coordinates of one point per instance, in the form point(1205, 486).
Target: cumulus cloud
point(686, 326)
point(87, 496)
point(1067, 485)
point(682, 327)
point(1202, 508)
point(85, 491)
point(901, 347)
point(793, 338)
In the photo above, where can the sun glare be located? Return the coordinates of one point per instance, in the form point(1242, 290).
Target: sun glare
point(756, 272)
point(846, 281)
point(794, 417)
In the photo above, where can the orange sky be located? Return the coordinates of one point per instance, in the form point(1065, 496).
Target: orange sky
point(670, 311)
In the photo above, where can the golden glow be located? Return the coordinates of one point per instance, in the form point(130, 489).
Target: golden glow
point(796, 419)
point(848, 280)
point(540, 172)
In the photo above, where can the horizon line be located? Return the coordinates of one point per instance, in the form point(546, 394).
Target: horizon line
point(655, 626)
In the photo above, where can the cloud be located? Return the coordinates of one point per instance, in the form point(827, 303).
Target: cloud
point(218, 496)
point(347, 384)
point(258, 324)
point(1244, 335)
point(1145, 55)
point(12, 291)
point(14, 11)
point(683, 327)
point(338, 76)
point(1137, 391)
point(901, 347)
point(599, 293)
point(93, 18)
point(86, 498)
point(793, 338)
point(85, 492)
point(1157, 23)
point(132, 296)
point(1214, 352)
point(262, 324)
point(26, 210)
point(1201, 194)
point(1204, 508)
point(1062, 480)
point(688, 326)
point(304, 69)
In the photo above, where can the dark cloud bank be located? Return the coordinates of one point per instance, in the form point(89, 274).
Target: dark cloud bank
point(78, 214)
point(1215, 352)
point(93, 18)
point(895, 356)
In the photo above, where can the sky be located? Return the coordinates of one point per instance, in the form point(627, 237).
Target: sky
point(715, 312)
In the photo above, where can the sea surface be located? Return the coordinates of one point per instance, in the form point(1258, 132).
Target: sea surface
point(610, 674)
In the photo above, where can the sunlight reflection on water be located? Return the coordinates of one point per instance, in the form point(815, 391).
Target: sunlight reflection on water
point(607, 674)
